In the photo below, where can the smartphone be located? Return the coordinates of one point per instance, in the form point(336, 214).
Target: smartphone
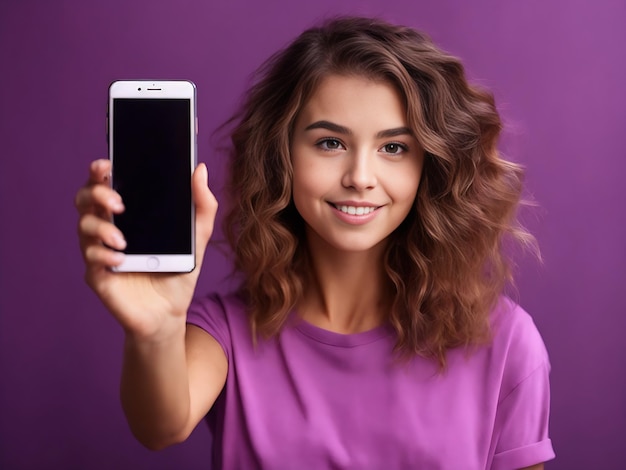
point(152, 132)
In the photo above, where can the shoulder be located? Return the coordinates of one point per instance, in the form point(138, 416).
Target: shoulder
point(223, 316)
point(217, 302)
point(515, 331)
point(523, 402)
point(516, 343)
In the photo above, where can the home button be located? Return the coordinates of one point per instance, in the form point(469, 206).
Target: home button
point(152, 263)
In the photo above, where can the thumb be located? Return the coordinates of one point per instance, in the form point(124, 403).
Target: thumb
point(206, 208)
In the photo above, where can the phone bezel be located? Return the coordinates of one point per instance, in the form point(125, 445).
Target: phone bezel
point(157, 89)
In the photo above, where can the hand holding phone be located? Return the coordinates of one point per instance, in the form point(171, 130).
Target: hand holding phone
point(146, 300)
point(143, 303)
point(152, 147)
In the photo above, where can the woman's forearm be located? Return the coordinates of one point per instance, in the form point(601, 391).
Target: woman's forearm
point(155, 389)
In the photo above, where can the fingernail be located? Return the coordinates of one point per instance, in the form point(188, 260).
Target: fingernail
point(118, 241)
point(206, 173)
point(116, 204)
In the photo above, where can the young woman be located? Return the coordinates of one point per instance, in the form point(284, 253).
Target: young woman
point(368, 211)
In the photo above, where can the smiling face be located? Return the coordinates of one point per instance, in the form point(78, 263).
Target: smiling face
point(356, 164)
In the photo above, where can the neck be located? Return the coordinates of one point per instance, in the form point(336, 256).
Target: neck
point(346, 291)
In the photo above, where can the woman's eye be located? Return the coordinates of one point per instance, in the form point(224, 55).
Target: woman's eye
point(330, 144)
point(394, 148)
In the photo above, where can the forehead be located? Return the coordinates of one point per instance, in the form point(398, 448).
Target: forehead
point(355, 100)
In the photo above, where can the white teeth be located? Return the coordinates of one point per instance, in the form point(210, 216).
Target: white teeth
point(352, 210)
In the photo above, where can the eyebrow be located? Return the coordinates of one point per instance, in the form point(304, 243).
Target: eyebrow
point(331, 126)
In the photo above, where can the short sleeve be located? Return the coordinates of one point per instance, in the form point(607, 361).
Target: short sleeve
point(209, 314)
point(522, 423)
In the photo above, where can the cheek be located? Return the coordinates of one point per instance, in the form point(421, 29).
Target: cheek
point(310, 179)
point(404, 186)
point(304, 189)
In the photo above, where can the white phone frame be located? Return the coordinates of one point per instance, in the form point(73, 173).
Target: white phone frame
point(151, 89)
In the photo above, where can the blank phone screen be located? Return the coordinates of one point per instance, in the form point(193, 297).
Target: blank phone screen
point(152, 143)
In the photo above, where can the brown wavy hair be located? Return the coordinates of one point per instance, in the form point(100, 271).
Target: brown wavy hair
point(446, 264)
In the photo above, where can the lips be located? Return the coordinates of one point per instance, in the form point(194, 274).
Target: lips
point(355, 210)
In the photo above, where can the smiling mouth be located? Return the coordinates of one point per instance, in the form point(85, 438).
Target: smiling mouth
point(354, 210)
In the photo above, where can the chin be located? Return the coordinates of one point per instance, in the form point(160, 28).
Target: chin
point(351, 246)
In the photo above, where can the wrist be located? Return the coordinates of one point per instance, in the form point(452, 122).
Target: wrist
point(171, 330)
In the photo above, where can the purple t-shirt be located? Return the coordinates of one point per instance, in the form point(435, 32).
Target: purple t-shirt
point(315, 399)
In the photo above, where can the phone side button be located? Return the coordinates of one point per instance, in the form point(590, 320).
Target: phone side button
point(152, 263)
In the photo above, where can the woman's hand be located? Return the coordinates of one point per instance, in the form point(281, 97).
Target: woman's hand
point(150, 306)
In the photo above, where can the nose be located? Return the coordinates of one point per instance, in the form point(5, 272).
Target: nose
point(360, 171)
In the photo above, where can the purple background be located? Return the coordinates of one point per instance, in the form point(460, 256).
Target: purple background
point(558, 70)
